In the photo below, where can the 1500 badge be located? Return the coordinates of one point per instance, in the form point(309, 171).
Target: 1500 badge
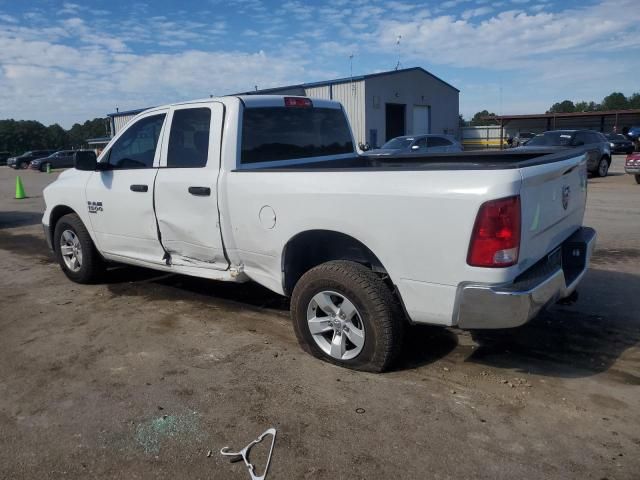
point(94, 207)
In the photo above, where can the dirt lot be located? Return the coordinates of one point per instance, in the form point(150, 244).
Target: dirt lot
point(141, 376)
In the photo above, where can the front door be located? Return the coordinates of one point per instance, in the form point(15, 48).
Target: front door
point(186, 187)
point(120, 195)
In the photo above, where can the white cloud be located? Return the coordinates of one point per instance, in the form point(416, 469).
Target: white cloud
point(8, 18)
point(476, 12)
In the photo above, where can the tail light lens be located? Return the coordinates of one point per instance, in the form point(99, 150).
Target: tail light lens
point(297, 102)
point(495, 241)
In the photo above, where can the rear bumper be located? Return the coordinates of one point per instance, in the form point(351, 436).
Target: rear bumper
point(511, 305)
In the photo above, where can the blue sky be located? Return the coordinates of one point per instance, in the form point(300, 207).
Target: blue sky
point(69, 61)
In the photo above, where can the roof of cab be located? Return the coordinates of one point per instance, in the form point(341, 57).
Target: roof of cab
point(248, 100)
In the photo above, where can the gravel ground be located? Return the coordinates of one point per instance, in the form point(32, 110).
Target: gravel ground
point(142, 376)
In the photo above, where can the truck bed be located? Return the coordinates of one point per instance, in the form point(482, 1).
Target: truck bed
point(482, 160)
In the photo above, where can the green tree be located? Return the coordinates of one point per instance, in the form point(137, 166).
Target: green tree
point(461, 121)
point(615, 101)
point(479, 119)
point(634, 101)
point(566, 106)
point(58, 137)
point(587, 107)
point(78, 134)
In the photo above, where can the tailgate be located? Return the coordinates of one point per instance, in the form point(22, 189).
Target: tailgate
point(553, 197)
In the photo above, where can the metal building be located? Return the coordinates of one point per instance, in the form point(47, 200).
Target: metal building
point(384, 105)
point(380, 106)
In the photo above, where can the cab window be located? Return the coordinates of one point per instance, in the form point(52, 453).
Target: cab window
point(189, 138)
point(136, 147)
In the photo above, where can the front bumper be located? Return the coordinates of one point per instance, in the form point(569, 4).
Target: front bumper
point(48, 236)
point(632, 170)
point(511, 305)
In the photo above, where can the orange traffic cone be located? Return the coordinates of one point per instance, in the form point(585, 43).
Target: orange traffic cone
point(19, 189)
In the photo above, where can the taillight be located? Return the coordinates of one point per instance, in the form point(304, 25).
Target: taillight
point(297, 102)
point(495, 241)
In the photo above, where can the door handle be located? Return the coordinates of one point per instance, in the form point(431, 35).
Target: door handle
point(200, 191)
point(139, 188)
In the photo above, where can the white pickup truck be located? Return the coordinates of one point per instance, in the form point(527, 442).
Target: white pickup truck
point(271, 189)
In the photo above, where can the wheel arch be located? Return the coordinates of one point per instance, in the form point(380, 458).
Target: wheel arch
point(310, 248)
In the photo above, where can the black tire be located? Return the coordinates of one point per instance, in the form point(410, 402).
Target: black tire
point(637, 178)
point(376, 306)
point(22, 166)
point(603, 167)
point(43, 167)
point(92, 266)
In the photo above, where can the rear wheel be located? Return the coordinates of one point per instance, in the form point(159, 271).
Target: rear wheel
point(344, 313)
point(637, 178)
point(603, 167)
point(75, 251)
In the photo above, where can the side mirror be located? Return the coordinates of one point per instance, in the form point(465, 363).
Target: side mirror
point(85, 160)
point(415, 147)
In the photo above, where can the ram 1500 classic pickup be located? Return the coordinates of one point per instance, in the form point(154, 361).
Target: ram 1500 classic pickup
point(271, 189)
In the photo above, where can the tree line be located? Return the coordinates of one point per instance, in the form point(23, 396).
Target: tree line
point(18, 136)
point(613, 101)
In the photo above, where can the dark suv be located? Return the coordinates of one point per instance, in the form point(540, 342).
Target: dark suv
point(597, 145)
point(25, 159)
point(61, 159)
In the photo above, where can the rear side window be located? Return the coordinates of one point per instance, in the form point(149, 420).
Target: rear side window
point(438, 142)
point(281, 133)
point(189, 138)
point(136, 147)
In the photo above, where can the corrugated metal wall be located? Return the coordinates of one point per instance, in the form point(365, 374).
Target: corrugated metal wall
point(323, 92)
point(119, 121)
point(351, 95)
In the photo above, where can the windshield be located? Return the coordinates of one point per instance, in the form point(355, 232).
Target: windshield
point(615, 136)
point(398, 143)
point(550, 139)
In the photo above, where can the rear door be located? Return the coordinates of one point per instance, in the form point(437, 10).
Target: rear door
point(186, 199)
point(553, 198)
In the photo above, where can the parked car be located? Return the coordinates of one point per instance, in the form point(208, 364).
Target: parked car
point(4, 156)
point(362, 245)
point(632, 165)
point(597, 145)
point(26, 158)
point(522, 138)
point(619, 143)
point(61, 159)
point(417, 145)
point(634, 134)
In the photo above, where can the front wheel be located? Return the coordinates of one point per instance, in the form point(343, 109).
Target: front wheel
point(43, 167)
point(344, 313)
point(603, 167)
point(22, 166)
point(75, 251)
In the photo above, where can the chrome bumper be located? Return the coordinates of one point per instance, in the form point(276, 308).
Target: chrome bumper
point(512, 305)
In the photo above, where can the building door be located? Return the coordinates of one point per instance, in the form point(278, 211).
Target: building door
point(395, 120)
point(421, 119)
